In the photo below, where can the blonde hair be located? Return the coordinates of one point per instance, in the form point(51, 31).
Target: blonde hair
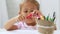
point(32, 1)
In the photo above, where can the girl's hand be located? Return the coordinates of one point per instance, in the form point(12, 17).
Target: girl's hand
point(21, 18)
point(39, 14)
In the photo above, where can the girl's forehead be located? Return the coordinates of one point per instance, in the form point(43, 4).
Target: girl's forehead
point(29, 6)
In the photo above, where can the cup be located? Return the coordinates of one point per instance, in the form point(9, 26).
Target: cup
point(45, 27)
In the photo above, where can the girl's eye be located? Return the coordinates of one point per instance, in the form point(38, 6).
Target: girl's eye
point(31, 10)
point(26, 11)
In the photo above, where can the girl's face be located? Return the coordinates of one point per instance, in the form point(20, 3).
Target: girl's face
point(27, 9)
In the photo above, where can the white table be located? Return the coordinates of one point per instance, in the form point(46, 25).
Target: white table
point(3, 31)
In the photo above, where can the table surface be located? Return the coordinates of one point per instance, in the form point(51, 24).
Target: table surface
point(3, 31)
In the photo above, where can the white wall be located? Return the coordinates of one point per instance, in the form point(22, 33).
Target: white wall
point(0, 19)
point(13, 7)
point(3, 12)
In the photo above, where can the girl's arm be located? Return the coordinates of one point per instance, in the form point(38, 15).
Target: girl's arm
point(9, 24)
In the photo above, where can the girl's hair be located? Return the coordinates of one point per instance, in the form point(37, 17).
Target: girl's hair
point(32, 1)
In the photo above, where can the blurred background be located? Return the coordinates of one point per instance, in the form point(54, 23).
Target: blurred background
point(10, 8)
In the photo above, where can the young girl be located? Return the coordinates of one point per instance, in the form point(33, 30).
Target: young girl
point(27, 7)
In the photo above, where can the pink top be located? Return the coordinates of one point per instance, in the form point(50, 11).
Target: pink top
point(24, 26)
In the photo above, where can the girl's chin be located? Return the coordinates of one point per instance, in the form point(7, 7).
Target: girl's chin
point(31, 19)
point(31, 23)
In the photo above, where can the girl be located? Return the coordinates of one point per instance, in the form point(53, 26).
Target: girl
point(27, 7)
